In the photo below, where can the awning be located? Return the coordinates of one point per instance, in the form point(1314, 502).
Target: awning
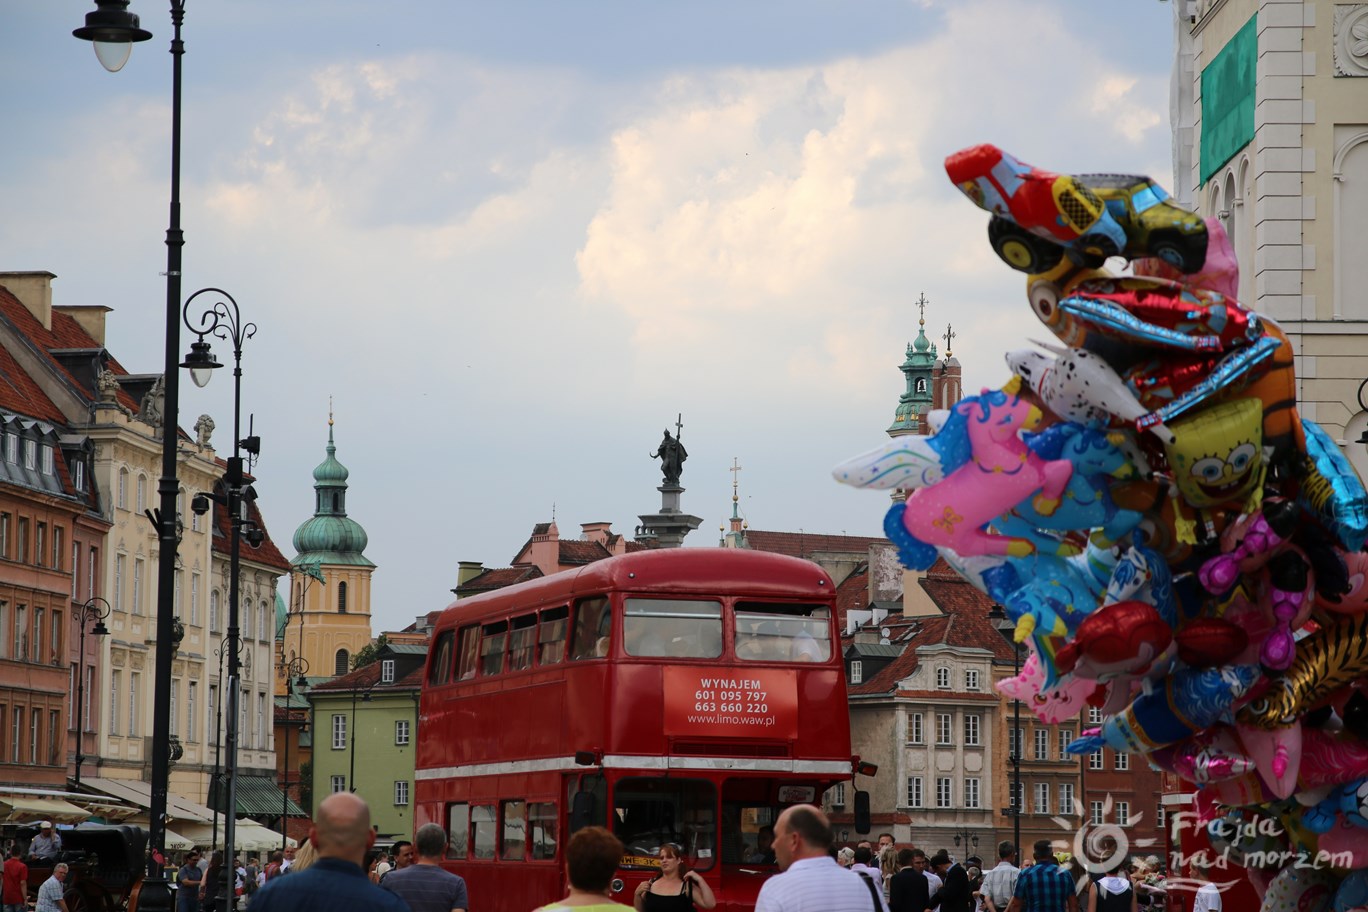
point(259, 797)
point(140, 793)
point(248, 835)
point(30, 808)
point(175, 842)
point(108, 809)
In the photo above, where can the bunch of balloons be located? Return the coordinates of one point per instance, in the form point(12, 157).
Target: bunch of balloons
point(1177, 547)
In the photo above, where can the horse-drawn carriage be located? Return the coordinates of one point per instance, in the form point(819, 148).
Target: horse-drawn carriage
point(105, 864)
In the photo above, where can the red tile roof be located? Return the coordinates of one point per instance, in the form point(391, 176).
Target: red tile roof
point(18, 392)
point(804, 544)
point(581, 552)
point(497, 578)
point(367, 678)
point(268, 554)
point(852, 595)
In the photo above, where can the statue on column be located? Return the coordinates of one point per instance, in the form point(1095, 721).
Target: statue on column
point(671, 454)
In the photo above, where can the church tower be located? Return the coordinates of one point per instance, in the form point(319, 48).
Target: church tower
point(947, 387)
point(916, 401)
point(329, 613)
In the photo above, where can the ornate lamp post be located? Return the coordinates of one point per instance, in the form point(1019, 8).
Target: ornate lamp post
point(295, 670)
point(968, 838)
point(223, 319)
point(1006, 626)
point(95, 609)
point(114, 30)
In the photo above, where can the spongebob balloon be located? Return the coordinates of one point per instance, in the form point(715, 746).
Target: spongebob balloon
point(1217, 458)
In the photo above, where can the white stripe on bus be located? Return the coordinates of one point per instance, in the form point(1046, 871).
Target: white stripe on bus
point(627, 761)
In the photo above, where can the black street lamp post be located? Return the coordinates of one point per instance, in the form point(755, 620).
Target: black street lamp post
point(224, 320)
point(215, 782)
point(365, 693)
point(969, 838)
point(295, 670)
point(1006, 626)
point(114, 30)
point(96, 609)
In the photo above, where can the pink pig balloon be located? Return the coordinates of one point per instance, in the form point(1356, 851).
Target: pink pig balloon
point(1064, 701)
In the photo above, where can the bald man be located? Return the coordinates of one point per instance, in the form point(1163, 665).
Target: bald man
point(342, 835)
point(812, 881)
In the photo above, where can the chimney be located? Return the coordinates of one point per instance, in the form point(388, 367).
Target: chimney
point(90, 317)
point(544, 550)
point(597, 532)
point(34, 291)
point(467, 571)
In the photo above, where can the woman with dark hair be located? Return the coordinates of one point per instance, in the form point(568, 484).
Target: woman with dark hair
point(591, 859)
point(675, 888)
point(1113, 893)
point(212, 884)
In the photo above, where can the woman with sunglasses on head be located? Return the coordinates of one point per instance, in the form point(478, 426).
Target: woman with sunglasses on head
point(675, 889)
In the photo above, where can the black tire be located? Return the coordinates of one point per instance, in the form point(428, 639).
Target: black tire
point(1020, 249)
point(1185, 253)
point(1094, 249)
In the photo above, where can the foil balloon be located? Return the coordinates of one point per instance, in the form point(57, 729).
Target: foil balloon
point(1217, 460)
point(1000, 472)
point(1332, 657)
point(1140, 574)
point(1215, 755)
point(1045, 290)
point(1121, 639)
point(1211, 642)
point(1185, 388)
point(1187, 702)
point(910, 461)
point(1300, 888)
point(1332, 489)
point(1078, 385)
point(1275, 387)
point(1220, 273)
point(1354, 600)
point(1157, 312)
point(1352, 894)
point(1249, 543)
point(1277, 755)
point(1343, 845)
point(1050, 705)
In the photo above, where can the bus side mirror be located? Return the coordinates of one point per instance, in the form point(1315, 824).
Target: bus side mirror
point(581, 811)
point(862, 822)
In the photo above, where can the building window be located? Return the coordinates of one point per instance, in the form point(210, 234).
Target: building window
point(401, 789)
point(4, 534)
point(945, 728)
point(213, 715)
point(339, 783)
point(245, 619)
point(1042, 744)
point(137, 585)
point(142, 492)
point(123, 488)
point(21, 634)
point(1018, 742)
point(971, 730)
point(178, 593)
point(47, 460)
point(17, 728)
point(215, 615)
point(856, 671)
point(915, 797)
point(78, 468)
point(58, 545)
point(943, 792)
point(115, 683)
point(1020, 801)
point(1159, 819)
point(914, 726)
point(38, 635)
point(836, 795)
point(1095, 760)
point(4, 642)
point(54, 743)
point(401, 731)
point(340, 662)
point(190, 700)
point(171, 711)
point(339, 732)
point(35, 720)
point(23, 552)
point(1122, 761)
point(12, 454)
point(387, 671)
point(134, 680)
point(942, 678)
point(40, 544)
point(194, 599)
point(94, 560)
point(971, 792)
point(1094, 716)
point(1042, 797)
point(1095, 813)
point(1066, 737)
point(341, 598)
point(971, 679)
point(1066, 798)
point(31, 455)
point(1123, 813)
point(263, 740)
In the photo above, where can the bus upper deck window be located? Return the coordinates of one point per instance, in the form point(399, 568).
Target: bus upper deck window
point(492, 648)
point(554, 629)
point(468, 657)
point(522, 642)
point(681, 628)
point(439, 672)
point(783, 633)
point(593, 627)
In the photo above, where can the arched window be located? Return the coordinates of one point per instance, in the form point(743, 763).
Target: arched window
point(342, 663)
point(921, 384)
point(123, 488)
point(341, 598)
point(142, 492)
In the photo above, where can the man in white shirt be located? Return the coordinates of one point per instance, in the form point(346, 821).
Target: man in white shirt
point(863, 858)
point(1208, 899)
point(811, 880)
point(999, 884)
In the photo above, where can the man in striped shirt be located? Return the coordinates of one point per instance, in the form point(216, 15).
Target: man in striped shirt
point(811, 880)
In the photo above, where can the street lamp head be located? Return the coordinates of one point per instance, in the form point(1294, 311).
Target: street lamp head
point(113, 30)
point(100, 630)
point(201, 362)
point(1363, 438)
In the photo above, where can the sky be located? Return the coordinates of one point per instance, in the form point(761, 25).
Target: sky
point(511, 242)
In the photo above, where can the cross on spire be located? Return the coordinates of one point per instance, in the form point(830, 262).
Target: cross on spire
point(735, 470)
point(949, 334)
point(679, 426)
point(921, 303)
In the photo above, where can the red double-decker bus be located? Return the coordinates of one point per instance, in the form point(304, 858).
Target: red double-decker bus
point(681, 696)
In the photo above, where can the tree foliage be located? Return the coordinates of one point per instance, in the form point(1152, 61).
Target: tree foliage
point(367, 654)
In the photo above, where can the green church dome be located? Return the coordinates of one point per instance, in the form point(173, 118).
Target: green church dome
point(330, 536)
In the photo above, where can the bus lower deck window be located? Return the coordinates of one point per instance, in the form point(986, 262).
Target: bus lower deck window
point(679, 628)
point(783, 633)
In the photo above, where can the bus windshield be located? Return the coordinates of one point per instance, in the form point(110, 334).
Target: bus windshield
point(782, 633)
point(679, 628)
point(651, 812)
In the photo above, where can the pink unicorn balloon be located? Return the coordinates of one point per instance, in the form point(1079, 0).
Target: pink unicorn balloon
point(1064, 701)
